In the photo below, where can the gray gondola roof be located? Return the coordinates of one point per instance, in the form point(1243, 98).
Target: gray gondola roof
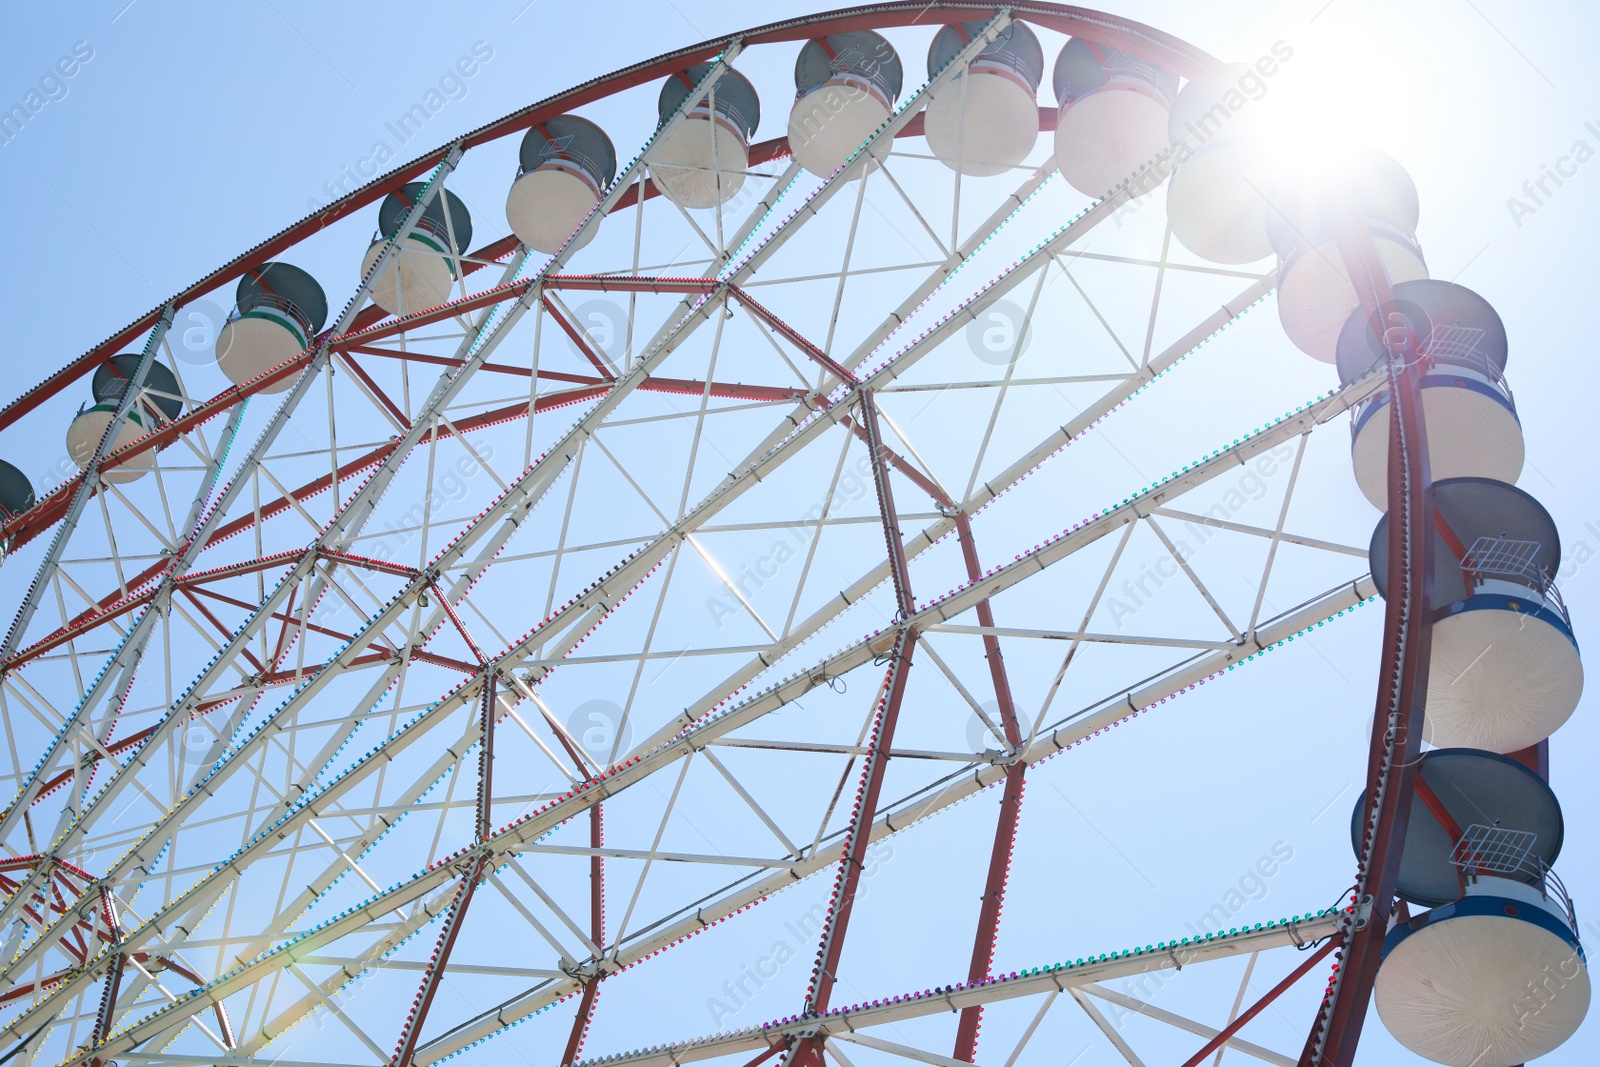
point(1016, 46)
point(1474, 508)
point(111, 379)
point(288, 283)
point(861, 54)
point(16, 492)
point(735, 97)
point(1452, 324)
point(395, 206)
point(1473, 786)
point(1084, 66)
point(574, 138)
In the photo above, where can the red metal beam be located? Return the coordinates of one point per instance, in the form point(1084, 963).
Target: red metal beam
point(893, 541)
point(377, 390)
point(450, 361)
point(652, 384)
point(431, 978)
point(282, 504)
point(582, 343)
point(1143, 40)
point(1536, 758)
point(114, 605)
point(837, 923)
point(597, 934)
point(792, 335)
point(1005, 831)
point(819, 993)
point(427, 316)
point(1255, 1009)
point(477, 869)
point(580, 1024)
point(227, 634)
point(912, 472)
point(1403, 680)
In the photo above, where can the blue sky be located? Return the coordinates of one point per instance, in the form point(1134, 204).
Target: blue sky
point(186, 133)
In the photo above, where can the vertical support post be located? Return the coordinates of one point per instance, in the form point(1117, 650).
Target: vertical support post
point(475, 872)
point(1403, 685)
point(1005, 831)
point(825, 975)
point(1536, 758)
point(431, 978)
point(597, 934)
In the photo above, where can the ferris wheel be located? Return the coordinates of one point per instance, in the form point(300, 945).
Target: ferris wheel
point(430, 649)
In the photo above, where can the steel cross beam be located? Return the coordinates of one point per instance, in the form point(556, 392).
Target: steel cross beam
point(920, 1004)
point(528, 828)
point(1392, 757)
point(88, 485)
point(672, 739)
point(543, 474)
point(474, 350)
point(959, 785)
point(197, 538)
point(1073, 21)
point(117, 675)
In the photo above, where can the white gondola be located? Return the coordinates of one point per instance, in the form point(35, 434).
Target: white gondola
point(567, 163)
point(1115, 110)
point(1497, 977)
point(1315, 294)
point(83, 437)
point(1473, 430)
point(845, 88)
point(159, 401)
point(1215, 200)
point(278, 309)
point(702, 162)
point(985, 120)
point(422, 269)
point(1504, 672)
